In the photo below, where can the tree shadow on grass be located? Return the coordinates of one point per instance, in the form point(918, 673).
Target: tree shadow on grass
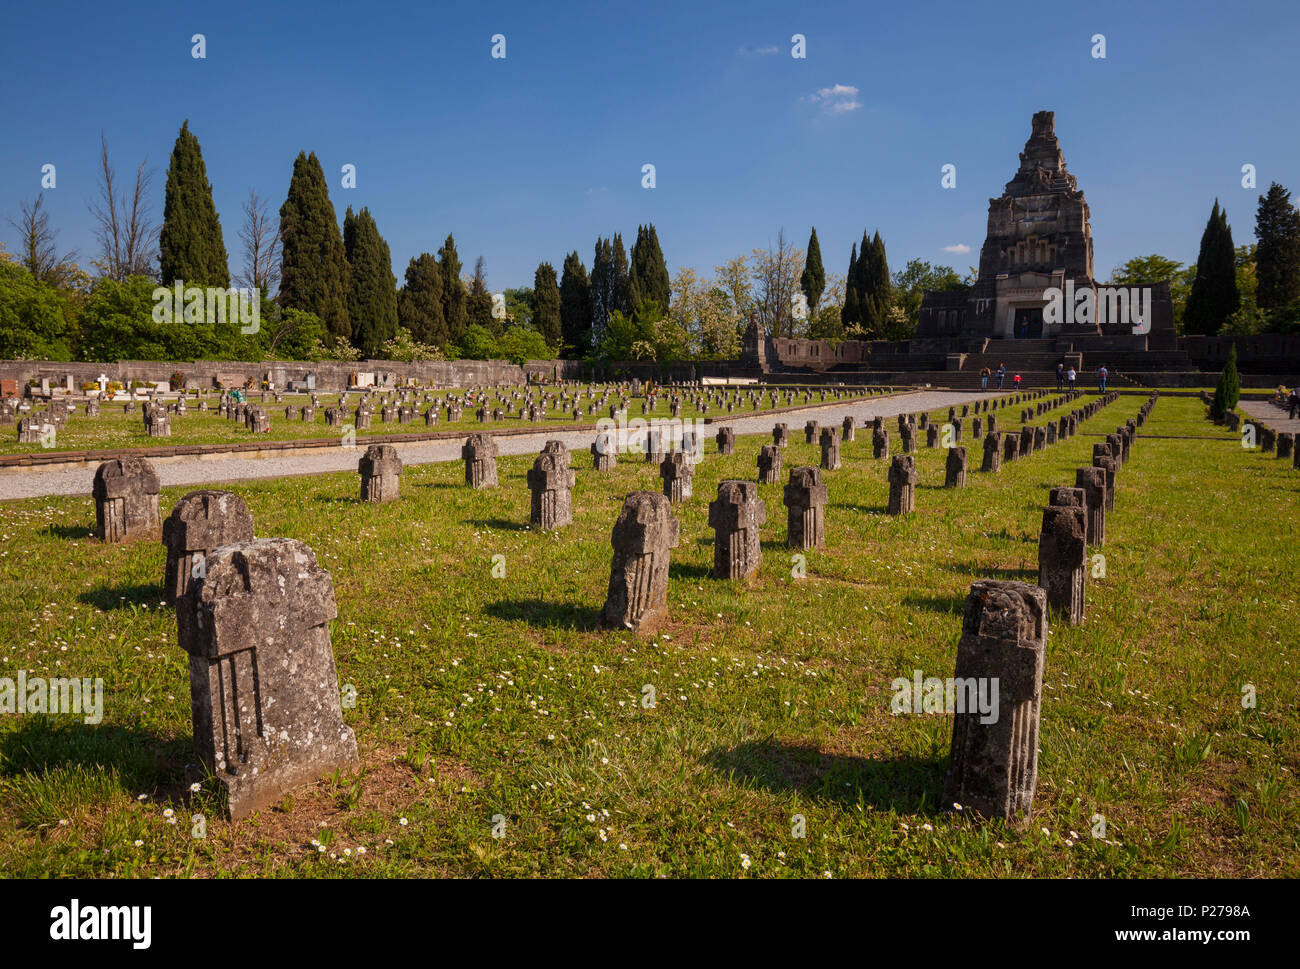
point(984, 572)
point(864, 509)
point(142, 761)
point(499, 524)
point(337, 499)
point(685, 570)
point(1007, 535)
point(108, 598)
point(553, 615)
point(945, 605)
point(907, 785)
point(72, 532)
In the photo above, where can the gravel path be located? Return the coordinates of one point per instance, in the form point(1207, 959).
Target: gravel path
point(1272, 416)
point(215, 470)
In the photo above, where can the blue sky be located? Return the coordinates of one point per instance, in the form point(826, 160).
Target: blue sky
point(530, 157)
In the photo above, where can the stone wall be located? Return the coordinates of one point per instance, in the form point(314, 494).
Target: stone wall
point(1265, 360)
point(1262, 381)
point(1264, 353)
point(330, 375)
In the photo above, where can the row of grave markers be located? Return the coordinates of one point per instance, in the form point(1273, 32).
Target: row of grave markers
point(1269, 440)
point(993, 766)
point(402, 407)
point(253, 614)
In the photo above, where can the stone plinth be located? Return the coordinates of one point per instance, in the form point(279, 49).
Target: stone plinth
point(198, 523)
point(551, 481)
point(677, 470)
point(126, 501)
point(1062, 556)
point(880, 444)
point(604, 451)
point(1093, 483)
point(736, 516)
point(992, 452)
point(902, 485)
point(264, 692)
point(955, 468)
point(380, 469)
point(994, 759)
point(805, 502)
point(643, 536)
point(829, 439)
point(479, 453)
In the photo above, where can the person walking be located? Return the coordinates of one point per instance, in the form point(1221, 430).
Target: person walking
point(1071, 375)
point(1293, 403)
point(1102, 374)
point(1060, 376)
point(1015, 381)
point(1002, 373)
point(984, 378)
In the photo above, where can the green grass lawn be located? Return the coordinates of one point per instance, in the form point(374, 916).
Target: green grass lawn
point(114, 428)
point(480, 697)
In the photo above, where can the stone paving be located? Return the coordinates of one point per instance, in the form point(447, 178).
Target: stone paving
point(215, 470)
point(1271, 415)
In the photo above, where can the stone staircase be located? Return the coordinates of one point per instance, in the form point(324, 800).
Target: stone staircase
point(970, 380)
point(1023, 356)
point(1121, 379)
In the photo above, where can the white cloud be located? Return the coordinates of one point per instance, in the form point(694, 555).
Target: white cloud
point(836, 99)
point(959, 247)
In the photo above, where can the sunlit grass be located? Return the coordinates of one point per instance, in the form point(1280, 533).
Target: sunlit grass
point(481, 697)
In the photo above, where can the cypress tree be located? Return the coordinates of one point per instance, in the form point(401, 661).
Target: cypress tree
point(190, 247)
point(454, 297)
point(634, 291)
point(478, 302)
point(602, 292)
point(619, 278)
point(546, 305)
point(1228, 390)
point(866, 311)
point(813, 280)
point(875, 288)
point(575, 306)
point(851, 311)
point(1214, 295)
point(661, 285)
point(419, 304)
point(313, 264)
point(1277, 255)
point(648, 277)
point(372, 290)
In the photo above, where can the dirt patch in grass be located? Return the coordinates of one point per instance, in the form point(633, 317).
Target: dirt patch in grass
point(283, 833)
